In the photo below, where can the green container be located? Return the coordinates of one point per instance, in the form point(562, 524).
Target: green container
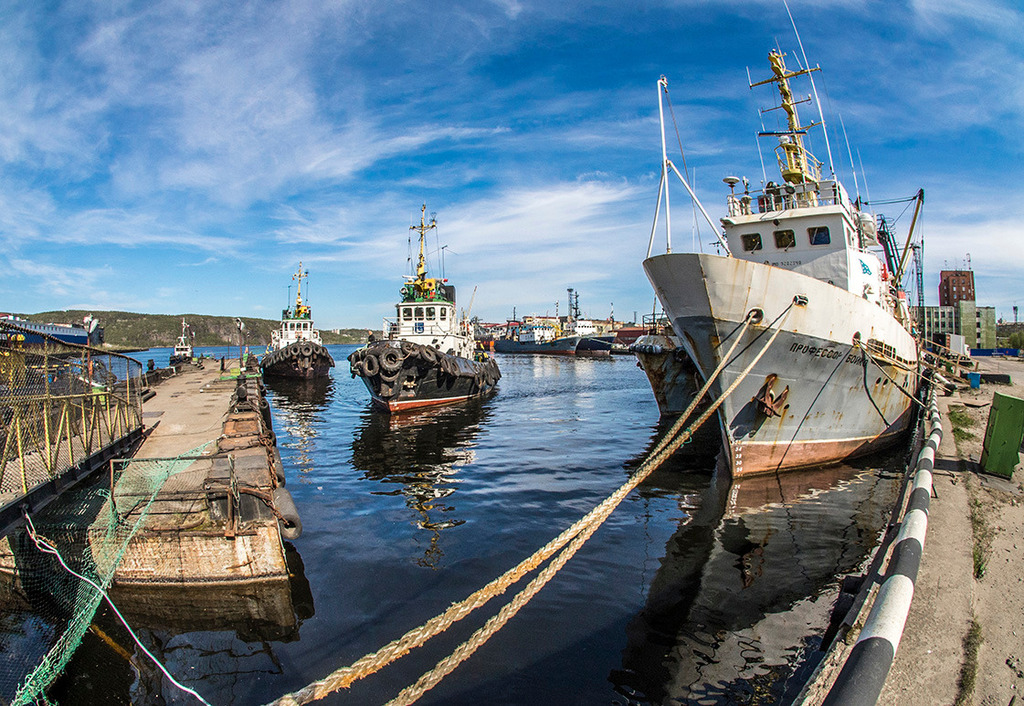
point(1000, 454)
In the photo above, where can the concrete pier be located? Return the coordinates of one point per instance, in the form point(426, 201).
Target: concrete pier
point(221, 507)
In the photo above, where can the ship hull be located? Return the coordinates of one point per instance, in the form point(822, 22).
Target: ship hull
point(301, 360)
point(402, 376)
point(559, 346)
point(836, 402)
point(595, 346)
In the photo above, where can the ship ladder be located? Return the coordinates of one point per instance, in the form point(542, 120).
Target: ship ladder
point(575, 536)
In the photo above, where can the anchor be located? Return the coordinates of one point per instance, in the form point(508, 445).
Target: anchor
point(767, 403)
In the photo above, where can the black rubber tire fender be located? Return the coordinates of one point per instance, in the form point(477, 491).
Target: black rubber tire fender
point(356, 368)
point(278, 466)
point(429, 354)
point(306, 349)
point(371, 366)
point(409, 348)
point(291, 525)
point(390, 361)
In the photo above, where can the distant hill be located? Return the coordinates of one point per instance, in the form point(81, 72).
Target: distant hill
point(122, 329)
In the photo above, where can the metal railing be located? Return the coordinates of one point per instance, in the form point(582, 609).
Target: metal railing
point(65, 410)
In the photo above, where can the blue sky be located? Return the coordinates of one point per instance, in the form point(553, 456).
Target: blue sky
point(171, 157)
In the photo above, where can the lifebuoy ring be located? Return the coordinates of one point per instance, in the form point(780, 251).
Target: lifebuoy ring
point(371, 366)
point(390, 360)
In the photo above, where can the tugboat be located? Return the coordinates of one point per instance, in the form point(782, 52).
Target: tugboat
point(427, 353)
point(296, 350)
point(183, 348)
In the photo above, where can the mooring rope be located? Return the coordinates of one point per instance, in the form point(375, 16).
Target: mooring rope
point(878, 364)
point(577, 534)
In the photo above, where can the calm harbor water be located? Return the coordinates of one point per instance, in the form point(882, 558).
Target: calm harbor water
point(694, 591)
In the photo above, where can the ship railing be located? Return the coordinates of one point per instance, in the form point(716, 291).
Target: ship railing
point(785, 197)
point(392, 329)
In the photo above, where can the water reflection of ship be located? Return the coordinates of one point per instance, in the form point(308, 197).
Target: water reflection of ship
point(420, 454)
point(298, 405)
point(742, 597)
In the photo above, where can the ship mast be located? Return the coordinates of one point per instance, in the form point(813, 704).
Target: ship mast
point(298, 277)
point(798, 166)
point(421, 266)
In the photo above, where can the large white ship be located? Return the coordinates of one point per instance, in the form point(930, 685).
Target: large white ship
point(799, 324)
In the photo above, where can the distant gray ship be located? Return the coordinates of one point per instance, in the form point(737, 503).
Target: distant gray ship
point(838, 378)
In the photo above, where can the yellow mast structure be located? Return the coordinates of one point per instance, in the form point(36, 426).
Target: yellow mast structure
point(298, 295)
point(797, 165)
point(423, 284)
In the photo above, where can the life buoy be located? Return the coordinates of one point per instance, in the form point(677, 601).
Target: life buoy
point(371, 366)
point(390, 360)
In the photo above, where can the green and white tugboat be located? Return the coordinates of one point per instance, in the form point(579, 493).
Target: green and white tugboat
point(296, 350)
point(427, 354)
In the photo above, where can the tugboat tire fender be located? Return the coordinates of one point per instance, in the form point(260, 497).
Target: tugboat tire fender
point(409, 348)
point(356, 368)
point(306, 350)
point(386, 376)
point(371, 366)
point(390, 360)
point(291, 524)
point(429, 354)
point(278, 466)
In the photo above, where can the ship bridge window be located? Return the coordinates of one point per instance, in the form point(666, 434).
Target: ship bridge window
point(443, 311)
point(430, 313)
point(751, 242)
point(419, 313)
point(818, 235)
point(407, 313)
point(784, 239)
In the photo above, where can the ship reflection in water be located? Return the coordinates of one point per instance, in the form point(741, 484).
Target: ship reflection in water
point(418, 456)
point(299, 407)
point(738, 607)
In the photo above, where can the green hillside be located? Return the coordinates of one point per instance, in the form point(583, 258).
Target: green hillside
point(124, 329)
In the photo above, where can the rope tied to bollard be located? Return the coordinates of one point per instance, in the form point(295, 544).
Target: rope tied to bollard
point(575, 536)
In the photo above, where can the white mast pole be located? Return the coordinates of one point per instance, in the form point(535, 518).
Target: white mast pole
point(663, 85)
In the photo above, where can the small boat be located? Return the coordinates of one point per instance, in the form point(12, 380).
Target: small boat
point(427, 354)
point(798, 267)
point(296, 350)
point(183, 348)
